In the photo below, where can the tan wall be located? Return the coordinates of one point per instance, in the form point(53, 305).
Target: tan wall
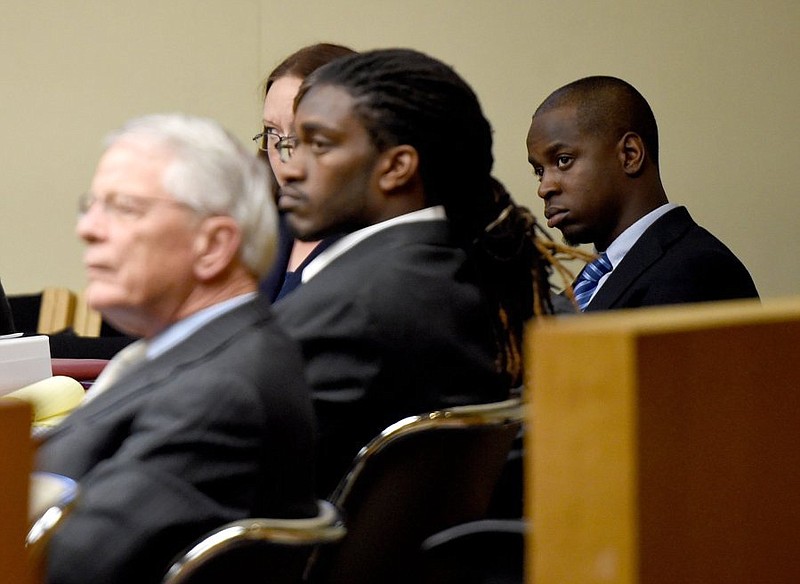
point(721, 77)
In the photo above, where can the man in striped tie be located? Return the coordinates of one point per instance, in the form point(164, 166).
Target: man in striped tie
point(593, 144)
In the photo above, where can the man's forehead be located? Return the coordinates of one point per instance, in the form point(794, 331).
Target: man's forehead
point(128, 160)
point(325, 102)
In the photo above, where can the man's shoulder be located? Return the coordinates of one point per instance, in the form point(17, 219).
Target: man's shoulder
point(384, 253)
point(677, 233)
point(677, 260)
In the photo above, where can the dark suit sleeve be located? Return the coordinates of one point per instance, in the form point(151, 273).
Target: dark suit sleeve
point(188, 464)
point(703, 277)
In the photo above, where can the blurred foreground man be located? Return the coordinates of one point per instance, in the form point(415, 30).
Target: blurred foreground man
point(211, 420)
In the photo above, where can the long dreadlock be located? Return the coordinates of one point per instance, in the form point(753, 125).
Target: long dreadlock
point(406, 97)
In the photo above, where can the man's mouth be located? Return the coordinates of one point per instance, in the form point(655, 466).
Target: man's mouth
point(555, 216)
point(288, 200)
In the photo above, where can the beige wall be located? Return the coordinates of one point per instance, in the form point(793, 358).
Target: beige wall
point(721, 76)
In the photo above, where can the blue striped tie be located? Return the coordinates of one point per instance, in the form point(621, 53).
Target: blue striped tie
point(587, 281)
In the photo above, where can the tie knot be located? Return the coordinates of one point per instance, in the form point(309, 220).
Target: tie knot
point(121, 363)
point(587, 281)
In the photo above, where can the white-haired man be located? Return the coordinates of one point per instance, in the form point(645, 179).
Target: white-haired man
point(214, 422)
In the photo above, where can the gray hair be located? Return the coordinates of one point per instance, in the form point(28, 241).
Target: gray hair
point(214, 174)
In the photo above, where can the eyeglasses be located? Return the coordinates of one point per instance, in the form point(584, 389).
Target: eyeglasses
point(123, 207)
point(283, 145)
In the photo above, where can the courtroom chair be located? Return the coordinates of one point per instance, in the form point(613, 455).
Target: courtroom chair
point(87, 322)
point(420, 476)
point(52, 497)
point(272, 551)
point(44, 313)
point(75, 330)
point(88, 336)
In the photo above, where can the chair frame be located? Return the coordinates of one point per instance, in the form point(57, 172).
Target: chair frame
point(325, 533)
point(326, 528)
point(45, 520)
point(337, 563)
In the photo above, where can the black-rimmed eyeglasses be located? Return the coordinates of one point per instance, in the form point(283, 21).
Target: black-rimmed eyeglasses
point(283, 145)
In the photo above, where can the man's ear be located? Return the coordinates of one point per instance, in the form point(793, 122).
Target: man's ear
point(216, 245)
point(397, 167)
point(631, 153)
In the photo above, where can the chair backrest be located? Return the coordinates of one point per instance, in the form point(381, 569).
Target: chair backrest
point(44, 313)
point(272, 551)
point(87, 322)
point(419, 476)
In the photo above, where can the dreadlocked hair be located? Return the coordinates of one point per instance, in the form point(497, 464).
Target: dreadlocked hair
point(406, 97)
point(515, 259)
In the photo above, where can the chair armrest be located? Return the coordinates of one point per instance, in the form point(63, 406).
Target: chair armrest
point(52, 497)
point(326, 528)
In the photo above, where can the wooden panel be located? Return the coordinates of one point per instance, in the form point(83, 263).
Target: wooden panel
point(56, 311)
point(87, 322)
point(15, 468)
point(666, 445)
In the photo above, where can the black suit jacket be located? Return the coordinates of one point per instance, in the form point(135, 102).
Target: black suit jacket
point(393, 327)
point(218, 428)
point(674, 261)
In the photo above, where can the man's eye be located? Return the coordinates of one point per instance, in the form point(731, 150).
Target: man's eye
point(124, 206)
point(318, 146)
point(563, 161)
point(538, 171)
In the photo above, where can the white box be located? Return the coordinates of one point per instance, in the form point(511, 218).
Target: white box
point(24, 360)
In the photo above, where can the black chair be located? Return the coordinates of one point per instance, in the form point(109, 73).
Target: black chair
point(45, 312)
point(420, 476)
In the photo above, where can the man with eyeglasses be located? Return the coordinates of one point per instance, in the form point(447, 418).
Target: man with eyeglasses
point(213, 422)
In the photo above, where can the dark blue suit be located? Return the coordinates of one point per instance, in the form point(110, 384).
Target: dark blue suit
point(674, 261)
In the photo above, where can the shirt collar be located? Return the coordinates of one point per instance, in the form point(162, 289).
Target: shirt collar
point(182, 329)
point(436, 213)
point(626, 240)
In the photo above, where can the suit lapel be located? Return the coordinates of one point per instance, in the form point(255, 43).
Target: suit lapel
point(147, 376)
point(351, 264)
point(650, 247)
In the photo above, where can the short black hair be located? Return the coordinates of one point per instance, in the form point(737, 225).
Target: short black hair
point(608, 107)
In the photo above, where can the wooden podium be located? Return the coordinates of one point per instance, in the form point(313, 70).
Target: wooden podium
point(16, 454)
point(664, 446)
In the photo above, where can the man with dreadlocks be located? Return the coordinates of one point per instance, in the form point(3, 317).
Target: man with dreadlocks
point(421, 304)
point(594, 146)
